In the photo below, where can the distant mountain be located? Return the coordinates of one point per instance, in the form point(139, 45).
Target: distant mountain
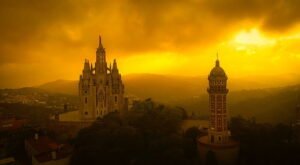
point(24, 91)
point(169, 88)
point(265, 105)
point(260, 97)
point(164, 87)
point(60, 86)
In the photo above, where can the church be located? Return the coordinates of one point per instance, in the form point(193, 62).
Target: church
point(100, 90)
point(100, 87)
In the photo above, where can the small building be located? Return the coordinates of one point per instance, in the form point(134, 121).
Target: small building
point(44, 150)
point(11, 123)
point(58, 157)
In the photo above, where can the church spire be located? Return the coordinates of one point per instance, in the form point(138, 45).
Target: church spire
point(217, 61)
point(86, 67)
point(100, 42)
point(115, 66)
point(100, 65)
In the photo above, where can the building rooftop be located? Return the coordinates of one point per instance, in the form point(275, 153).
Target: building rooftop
point(70, 116)
point(11, 123)
point(61, 153)
point(43, 144)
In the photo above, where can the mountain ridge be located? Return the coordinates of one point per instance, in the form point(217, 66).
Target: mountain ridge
point(170, 87)
point(265, 104)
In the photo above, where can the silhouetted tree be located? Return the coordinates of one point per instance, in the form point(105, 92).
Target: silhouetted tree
point(148, 134)
point(211, 158)
point(265, 143)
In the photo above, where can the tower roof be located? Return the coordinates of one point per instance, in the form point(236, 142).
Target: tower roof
point(217, 71)
point(115, 67)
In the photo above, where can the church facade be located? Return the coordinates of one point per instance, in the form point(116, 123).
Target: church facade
point(100, 87)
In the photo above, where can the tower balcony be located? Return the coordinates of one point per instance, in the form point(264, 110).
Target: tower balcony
point(217, 90)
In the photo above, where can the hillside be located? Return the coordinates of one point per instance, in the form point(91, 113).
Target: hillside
point(169, 88)
point(259, 99)
point(265, 105)
point(60, 86)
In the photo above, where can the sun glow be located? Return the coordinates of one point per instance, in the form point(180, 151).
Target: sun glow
point(253, 37)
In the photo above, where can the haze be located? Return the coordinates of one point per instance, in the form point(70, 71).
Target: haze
point(43, 41)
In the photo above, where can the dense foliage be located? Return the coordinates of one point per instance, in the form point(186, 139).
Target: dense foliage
point(148, 134)
point(265, 143)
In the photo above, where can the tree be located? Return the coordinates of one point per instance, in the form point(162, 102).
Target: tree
point(211, 158)
point(148, 134)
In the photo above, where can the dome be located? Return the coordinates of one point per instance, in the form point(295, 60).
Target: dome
point(217, 72)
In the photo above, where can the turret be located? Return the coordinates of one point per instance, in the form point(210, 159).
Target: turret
point(218, 142)
point(115, 67)
point(86, 72)
point(218, 131)
point(101, 65)
point(100, 43)
point(86, 67)
point(217, 79)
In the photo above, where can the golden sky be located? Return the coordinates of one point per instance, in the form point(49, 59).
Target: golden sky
point(46, 40)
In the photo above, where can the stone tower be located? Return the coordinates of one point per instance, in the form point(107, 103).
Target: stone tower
point(217, 142)
point(218, 129)
point(101, 89)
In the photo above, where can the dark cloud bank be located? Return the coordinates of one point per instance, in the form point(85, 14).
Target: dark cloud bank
point(131, 25)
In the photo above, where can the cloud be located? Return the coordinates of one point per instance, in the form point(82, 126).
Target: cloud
point(274, 15)
point(134, 25)
point(66, 30)
point(284, 15)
